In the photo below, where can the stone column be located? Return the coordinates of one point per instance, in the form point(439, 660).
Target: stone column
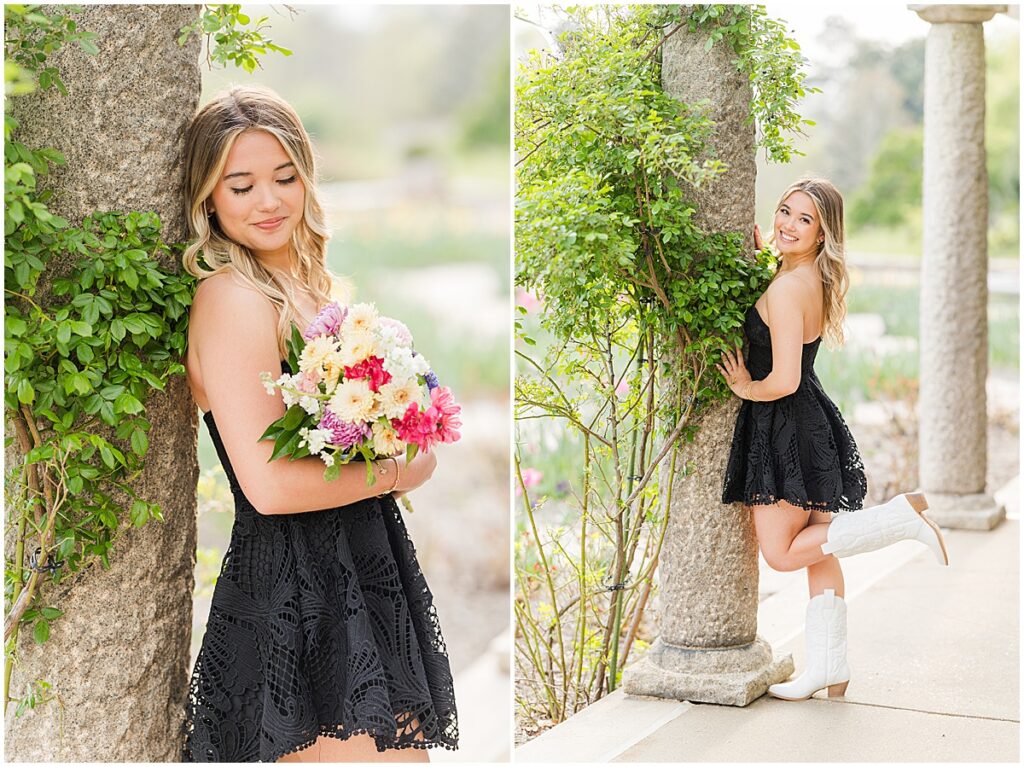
point(954, 270)
point(118, 658)
point(708, 649)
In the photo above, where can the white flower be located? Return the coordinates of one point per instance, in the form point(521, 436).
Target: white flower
point(315, 439)
point(327, 458)
point(385, 440)
point(310, 404)
point(403, 365)
point(361, 318)
point(397, 396)
point(352, 401)
point(356, 347)
point(289, 382)
point(268, 382)
point(389, 339)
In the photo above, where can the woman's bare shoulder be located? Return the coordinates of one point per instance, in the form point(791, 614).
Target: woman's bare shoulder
point(226, 291)
point(790, 291)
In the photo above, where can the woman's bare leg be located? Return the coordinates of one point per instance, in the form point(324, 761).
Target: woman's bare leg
point(786, 540)
point(308, 755)
point(362, 748)
point(826, 573)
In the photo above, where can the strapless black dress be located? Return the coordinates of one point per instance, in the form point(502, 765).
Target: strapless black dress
point(796, 448)
point(321, 624)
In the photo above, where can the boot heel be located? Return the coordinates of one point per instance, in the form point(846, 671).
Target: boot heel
point(917, 500)
point(838, 690)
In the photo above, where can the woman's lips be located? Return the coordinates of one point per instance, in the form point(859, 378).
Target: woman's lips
point(271, 225)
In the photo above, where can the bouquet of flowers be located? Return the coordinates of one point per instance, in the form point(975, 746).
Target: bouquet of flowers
point(358, 389)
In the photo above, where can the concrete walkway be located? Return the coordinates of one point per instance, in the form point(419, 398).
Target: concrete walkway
point(934, 655)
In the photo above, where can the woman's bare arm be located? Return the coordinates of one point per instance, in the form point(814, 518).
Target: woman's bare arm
point(787, 299)
point(234, 329)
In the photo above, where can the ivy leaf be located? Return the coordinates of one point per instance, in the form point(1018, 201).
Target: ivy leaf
point(41, 632)
point(139, 513)
point(26, 393)
point(140, 442)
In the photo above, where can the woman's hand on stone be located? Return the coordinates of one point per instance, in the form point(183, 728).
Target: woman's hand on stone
point(758, 242)
point(734, 371)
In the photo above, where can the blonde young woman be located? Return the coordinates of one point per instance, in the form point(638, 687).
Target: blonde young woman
point(322, 642)
point(794, 462)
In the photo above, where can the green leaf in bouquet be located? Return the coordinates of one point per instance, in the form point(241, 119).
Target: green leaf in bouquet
point(302, 452)
point(332, 472)
point(295, 346)
point(293, 418)
point(285, 445)
point(274, 430)
point(371, 478)
point(410, 451)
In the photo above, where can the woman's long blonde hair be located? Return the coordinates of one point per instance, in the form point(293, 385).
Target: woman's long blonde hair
point(831, 259)
point(208, 140)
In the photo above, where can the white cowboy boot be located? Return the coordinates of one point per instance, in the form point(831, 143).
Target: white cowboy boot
point(825, 638)
point(900, 519)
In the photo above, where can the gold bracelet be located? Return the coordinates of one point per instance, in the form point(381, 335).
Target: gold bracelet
point(398, 474)
point(748, 391)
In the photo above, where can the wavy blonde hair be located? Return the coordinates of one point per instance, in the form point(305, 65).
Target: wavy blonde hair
point(831, 259)
point(208, 139)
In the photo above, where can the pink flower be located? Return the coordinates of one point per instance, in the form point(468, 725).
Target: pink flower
point(526, 299)
point(446, 414)
point(416, 427)
point(531, 478)
point(308, 381)
point(623, 388)
point(371, 368)
point(327, 322)
point(344, 434)
point(402, 334)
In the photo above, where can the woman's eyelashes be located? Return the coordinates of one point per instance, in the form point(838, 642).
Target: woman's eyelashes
point(803, 219)
point(284, 181)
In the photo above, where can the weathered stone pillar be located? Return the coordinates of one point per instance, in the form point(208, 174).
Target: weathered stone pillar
point(954, 270)
point(118, 658)
point(708, 649)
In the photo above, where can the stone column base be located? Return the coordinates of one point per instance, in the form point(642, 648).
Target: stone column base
point(978, 511)
point(735, 676)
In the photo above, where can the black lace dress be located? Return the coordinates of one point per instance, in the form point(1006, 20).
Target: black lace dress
point(321, 624)
point(796, 448)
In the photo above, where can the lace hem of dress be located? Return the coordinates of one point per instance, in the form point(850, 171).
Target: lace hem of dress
point(767, 499)
point(330, 731)
point(381, 741)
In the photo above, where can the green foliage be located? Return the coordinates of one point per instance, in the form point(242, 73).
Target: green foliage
point(893, 187)
point(116, 333)
point(32, 33)
point(229, 38)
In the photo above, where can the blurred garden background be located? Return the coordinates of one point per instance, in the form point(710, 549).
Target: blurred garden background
point(868, 63)
point(408, 109)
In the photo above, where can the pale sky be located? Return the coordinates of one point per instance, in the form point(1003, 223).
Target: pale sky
point(891, 22)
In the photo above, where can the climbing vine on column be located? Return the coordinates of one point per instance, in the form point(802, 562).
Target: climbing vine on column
point(633, 304)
